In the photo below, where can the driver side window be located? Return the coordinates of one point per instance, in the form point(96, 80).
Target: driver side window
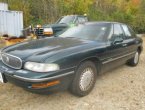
point(117, 33)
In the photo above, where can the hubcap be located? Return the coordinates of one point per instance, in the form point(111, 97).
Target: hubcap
point(86, 79)
point(136, 58)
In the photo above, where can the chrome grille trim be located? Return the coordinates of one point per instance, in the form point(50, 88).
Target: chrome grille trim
point(43, 79)
point(14, 67)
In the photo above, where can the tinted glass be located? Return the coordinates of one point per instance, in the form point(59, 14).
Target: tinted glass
point(81, 19)
point(66, 20)
point(118, 32)
point(133, 34)
point(126, 31)
point(92, 32)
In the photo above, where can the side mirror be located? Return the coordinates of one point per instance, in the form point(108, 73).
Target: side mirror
point(117, 40)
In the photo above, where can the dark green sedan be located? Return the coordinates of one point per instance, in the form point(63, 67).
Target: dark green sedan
point(72, 60)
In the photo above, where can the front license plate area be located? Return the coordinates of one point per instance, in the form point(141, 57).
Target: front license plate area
point(1, 78)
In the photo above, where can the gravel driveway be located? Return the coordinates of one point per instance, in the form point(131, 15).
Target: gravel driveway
point(119, 89)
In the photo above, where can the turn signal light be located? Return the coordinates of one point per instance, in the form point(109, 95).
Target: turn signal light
point(45, 85)
point(48, 33)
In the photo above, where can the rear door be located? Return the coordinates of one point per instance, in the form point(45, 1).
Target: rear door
point(130, 39)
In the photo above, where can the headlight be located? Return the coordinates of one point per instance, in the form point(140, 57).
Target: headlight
point(48, 31)
point(41, 67)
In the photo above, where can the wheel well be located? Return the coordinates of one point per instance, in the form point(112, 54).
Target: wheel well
point(95, 60)
point(139, 49)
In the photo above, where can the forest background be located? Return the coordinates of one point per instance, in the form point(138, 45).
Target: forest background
point(131, 12)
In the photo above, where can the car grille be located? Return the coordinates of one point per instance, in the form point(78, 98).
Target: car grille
point(11, 61)
point(39, 31)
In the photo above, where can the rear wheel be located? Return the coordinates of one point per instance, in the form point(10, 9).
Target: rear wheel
point(135, 60)
point(84, 79)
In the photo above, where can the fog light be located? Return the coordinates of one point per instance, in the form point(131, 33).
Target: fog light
point(45, 85)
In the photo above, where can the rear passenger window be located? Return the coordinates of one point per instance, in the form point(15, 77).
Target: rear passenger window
point(133, 34)
point(126, 31)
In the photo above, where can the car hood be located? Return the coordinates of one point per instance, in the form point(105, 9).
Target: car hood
point(55, 26)
point(40, 49)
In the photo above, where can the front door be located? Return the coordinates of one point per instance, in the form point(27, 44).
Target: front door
point(116, 48)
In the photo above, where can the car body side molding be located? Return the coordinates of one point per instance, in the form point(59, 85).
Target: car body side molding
point(113, 59)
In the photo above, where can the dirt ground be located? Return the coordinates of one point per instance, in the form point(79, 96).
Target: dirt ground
point(120, 89)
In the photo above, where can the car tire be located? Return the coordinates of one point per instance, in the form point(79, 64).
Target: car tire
point(84, 79)
point(135, 60)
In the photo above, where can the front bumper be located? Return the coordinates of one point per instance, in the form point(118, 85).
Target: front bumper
point(27, 79)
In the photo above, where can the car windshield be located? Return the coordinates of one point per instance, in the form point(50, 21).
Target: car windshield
point(98, 31)
point(66, 20)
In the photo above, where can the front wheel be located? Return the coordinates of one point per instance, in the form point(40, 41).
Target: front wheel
point(84, 79)
point(135, 60)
